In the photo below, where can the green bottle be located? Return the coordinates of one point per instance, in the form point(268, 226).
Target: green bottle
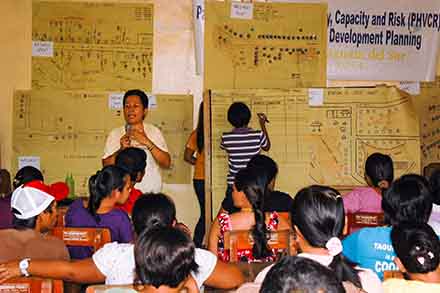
point(71, 184)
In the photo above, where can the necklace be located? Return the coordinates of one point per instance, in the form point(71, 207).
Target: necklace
point(247, 210)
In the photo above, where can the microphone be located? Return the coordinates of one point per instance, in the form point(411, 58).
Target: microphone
point(127, 128)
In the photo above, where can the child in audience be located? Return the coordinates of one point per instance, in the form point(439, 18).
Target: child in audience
point(249, 191)
point(174, 274)
point(299, 274)
point(318, 220)
point(115, 263)
point(107, 187)
point(379, 175)
point(133, 160)
point(241, 144)
point(407, 200)
point(417, 250)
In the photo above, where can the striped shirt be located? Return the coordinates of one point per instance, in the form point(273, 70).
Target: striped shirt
point(241, 144)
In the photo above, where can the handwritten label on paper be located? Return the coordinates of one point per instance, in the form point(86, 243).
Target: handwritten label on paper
point(242, 10)
point(42, 49)
point(316, 97)
point(29, 161)
point(115, 101)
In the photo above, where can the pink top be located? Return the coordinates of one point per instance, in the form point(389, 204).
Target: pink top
point(363, 199)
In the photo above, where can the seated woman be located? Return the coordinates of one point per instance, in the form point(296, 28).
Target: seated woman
point(379, 175)
point(172, 275)
point(249, 191)
point(107, 187)
point(418, 256)
point(318, 219)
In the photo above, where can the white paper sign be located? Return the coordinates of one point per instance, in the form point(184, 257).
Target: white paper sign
point(152, 102)
point(42, 49)
point(199, 29)
point(115, 101)
point(29, 161)
point(242, 10)
point(411, 87)
point(316, 97)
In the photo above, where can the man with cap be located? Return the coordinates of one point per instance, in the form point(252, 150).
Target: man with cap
point(33, 215)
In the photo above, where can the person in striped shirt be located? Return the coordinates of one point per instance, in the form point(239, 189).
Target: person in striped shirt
point(241, 144)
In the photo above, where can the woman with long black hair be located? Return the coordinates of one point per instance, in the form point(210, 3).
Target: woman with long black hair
point(195, 155)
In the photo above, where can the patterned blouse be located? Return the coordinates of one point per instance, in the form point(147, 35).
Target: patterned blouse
point(244, 255)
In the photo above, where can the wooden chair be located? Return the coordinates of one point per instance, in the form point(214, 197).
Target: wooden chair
point(61, 213)
point(108, 288)
point(31, 285)
point(242, 239)
point(357, 221)
point(392, 275)
point(94, 237)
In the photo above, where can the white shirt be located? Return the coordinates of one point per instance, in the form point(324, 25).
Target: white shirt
point(152, 181)
point(116, 262)
point(369, 280)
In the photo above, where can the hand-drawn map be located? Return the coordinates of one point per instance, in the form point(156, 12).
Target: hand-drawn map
point(326, 144)
point(96, 46)
point(283, 45)
point(67, 130)
point(428, 108)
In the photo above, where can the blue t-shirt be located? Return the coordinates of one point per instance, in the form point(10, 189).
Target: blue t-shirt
point(371, 248)
point(117, 221)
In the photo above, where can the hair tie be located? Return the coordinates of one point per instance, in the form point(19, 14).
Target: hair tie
point(430, 254)
point(334, 246)
point(421, 260)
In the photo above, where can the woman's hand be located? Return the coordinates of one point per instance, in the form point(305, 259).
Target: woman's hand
point(140, 136)
point(9, 270)
point(125, 141)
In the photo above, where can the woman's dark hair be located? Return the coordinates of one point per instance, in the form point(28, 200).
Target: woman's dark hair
point(164, 256)
point(22, 224)
point(407, 200)
point(133, 160)
point(153, 210)
point(200, 131)
point(417, 246)
point(434, 183)
point(264, 163)
point(239, 114)
point(27, 174)
point(138, 93)
point(300, 274)
point(318, 213)
point(254, 185)
point(5, 182)
point(101, 186)
point(378, 168)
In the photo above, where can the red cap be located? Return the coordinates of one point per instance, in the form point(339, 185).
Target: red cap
point(59, 190)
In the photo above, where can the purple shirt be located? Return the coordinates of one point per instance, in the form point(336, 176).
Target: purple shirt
point(116, 220)
point(363, 199)
point(5, 212)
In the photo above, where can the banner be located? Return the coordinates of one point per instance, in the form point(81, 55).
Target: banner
point(383, 40)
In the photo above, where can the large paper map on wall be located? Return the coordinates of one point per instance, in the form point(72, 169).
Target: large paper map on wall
point(428, 107)
point(283, 46)
point(326, 144)
point(96, 46)
point(67, 130)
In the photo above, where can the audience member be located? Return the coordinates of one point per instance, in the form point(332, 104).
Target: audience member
point(115, 262)
point(34, 214)
point(107, 187)
point(132, 160)
point(299, 274)
point(195, 155)
point(165, 260)
point(5, 200)
point(241, 144)
point(417, 250)
point(249, 191)
point(408, 199)
point(318, 220)
point(379, 175)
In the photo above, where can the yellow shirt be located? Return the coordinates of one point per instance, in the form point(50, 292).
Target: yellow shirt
point(199, 167)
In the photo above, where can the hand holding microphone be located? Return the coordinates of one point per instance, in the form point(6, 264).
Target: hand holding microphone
point(125, 140)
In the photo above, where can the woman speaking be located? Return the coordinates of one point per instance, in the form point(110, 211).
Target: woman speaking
point(137, 133)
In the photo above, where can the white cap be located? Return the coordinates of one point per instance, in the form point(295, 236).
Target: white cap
point(30, 202)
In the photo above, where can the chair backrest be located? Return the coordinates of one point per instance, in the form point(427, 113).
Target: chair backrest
point(392, 275)
point(24, 285)
point(61, 213)
point(242, 239)
point(429, 169)
point(110, 288)
point(94, 237)
point(361, 220)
